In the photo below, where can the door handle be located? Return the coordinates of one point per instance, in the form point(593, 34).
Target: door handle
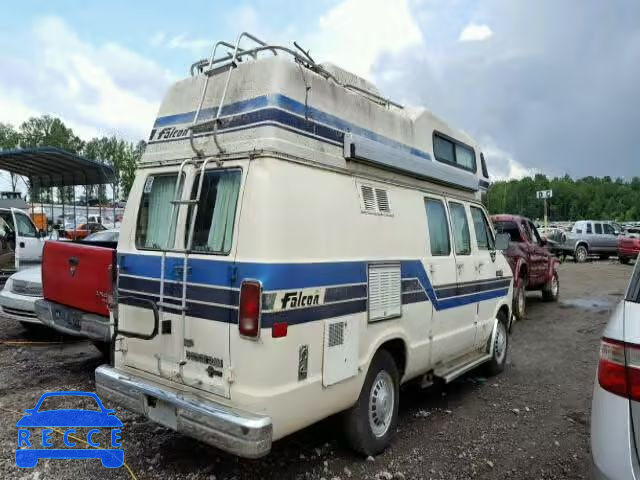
point(460, 266)
point(479, 266)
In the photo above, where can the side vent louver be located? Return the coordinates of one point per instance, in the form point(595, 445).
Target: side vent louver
point(382, 200)
point(368, 198)
point(385, 292)
point(374, 200)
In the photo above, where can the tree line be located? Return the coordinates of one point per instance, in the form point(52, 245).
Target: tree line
point(48, 131)
point(580, 199)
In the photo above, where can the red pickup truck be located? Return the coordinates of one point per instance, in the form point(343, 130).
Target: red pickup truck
point(78, 281)
point(533, 265)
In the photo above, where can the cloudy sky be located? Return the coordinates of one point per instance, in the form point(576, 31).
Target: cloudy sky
point(545, 86)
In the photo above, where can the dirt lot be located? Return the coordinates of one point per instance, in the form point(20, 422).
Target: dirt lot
point(531, 422)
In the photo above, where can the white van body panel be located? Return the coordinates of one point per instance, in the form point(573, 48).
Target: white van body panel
point(304, 229)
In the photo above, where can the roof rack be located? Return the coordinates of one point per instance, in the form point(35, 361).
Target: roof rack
point(229, 61)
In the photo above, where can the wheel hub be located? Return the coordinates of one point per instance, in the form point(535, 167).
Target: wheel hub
point(381, 404)
point(500, 343)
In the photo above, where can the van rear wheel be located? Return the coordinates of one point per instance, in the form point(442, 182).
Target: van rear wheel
point(370, 423)
point(624, 260)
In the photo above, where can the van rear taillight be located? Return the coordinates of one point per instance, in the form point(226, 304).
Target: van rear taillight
point(619, 368)
point(249, 311)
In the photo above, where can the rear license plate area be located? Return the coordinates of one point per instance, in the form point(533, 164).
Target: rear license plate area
point(67, 318)
point(162, 412)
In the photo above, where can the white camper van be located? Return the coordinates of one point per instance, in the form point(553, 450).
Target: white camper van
point(294, 246)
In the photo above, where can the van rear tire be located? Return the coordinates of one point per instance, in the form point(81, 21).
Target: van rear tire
point(624, 260)
point(370, 424)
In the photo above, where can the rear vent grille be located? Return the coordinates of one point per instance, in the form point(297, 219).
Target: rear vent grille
point(385, 286)
point(374, 200)
point(336, 334)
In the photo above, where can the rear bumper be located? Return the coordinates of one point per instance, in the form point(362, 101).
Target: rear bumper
point(72, 321)
point(241, 433)
point(613, 451)
point(20, 308)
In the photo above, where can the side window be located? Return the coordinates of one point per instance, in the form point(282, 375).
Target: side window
point(154, 215)
point(483, 164)
point(598, 227)
point(213, 229)
point(25, 226)
point(438, 227)
point(453, 152)
point(484, 237)
point(633, 294)
point(589, 229)
point(608, 229)
point(460, 227)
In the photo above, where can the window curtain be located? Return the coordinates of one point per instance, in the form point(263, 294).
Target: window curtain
point(162, 192)
point(221, 231)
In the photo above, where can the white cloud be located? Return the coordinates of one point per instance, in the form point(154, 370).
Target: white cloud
point(157, 39)
point(502, 165)
point(475, 33)
point(96, 89)
point(187, 42)
point(355, 33)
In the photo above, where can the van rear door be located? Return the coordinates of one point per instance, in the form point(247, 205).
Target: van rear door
point(212, 302)
point(192, 346)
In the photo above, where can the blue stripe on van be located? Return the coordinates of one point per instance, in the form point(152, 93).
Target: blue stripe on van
point(310, 116)
point(289, 276)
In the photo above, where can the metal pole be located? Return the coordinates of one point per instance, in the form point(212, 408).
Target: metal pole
point(546, 220)
point(52, 213)
point(74, 207)
point(63, 192)
point(113, 188)
point(86, 204)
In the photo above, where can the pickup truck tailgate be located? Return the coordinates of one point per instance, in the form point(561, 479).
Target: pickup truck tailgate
point(78, 275)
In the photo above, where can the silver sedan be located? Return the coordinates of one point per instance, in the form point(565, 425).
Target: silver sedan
point(615, 412)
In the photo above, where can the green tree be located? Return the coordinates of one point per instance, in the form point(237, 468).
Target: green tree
point(10, 139)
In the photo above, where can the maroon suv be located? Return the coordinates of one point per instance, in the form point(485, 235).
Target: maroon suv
point(533, 265)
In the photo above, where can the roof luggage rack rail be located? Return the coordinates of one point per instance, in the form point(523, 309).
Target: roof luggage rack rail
point(213, 65)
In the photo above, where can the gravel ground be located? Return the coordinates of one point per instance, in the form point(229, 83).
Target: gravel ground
point(531, 422)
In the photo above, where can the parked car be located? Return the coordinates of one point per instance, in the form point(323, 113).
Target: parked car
point(629, 245)
point(78, 280)
point(82, 230)
point(19, 295)
point(615, 408)
point(588, 237)
point(532, 264)
point(20, 242)
point(554, 237)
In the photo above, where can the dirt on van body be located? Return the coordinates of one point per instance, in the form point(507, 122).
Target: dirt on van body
point(530, 422)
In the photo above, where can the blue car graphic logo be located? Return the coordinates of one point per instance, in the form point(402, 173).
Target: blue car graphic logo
point(92, 426)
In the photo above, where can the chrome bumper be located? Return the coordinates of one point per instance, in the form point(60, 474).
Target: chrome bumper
point(73, 322)
point(240, 433)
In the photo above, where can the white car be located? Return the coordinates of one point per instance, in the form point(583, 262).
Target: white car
point(18, 297)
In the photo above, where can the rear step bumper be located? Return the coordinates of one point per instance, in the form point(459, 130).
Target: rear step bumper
point(72, 321)
point(240, 433)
